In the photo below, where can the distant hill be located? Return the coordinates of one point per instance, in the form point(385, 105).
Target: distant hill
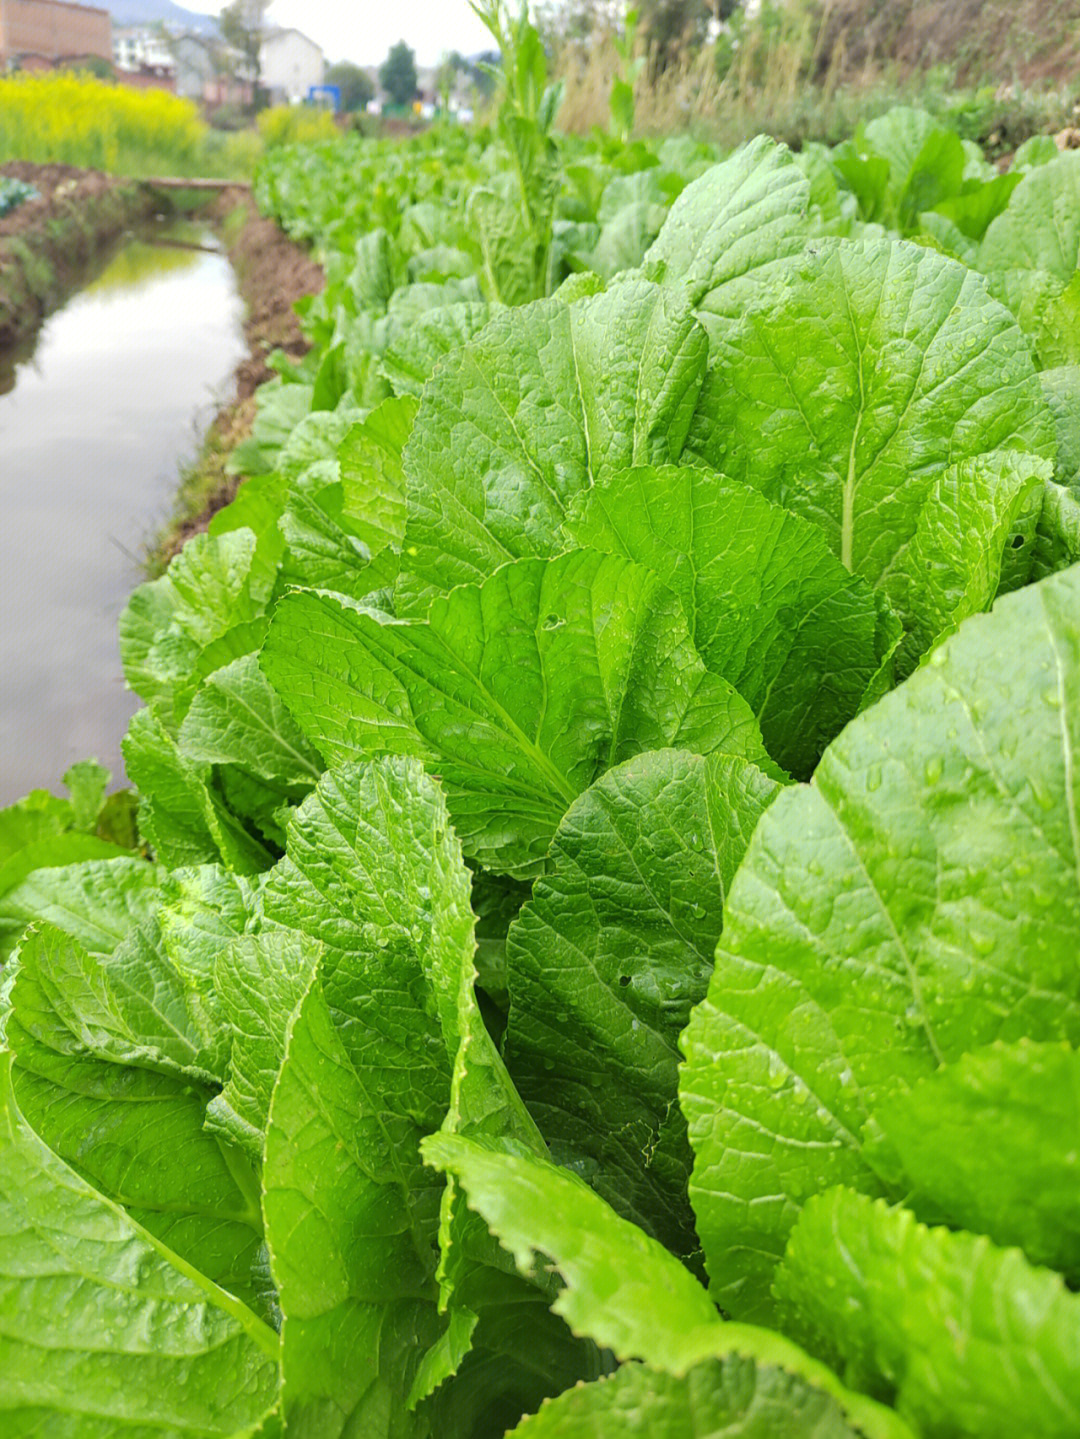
point(150, 12)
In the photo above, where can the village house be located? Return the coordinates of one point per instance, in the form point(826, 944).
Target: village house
point(137, 48)
point(290, 65)
point(39, 34)
point(209, 71)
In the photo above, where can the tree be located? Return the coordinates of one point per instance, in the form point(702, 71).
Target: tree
point(243, 24)
point(355, 85)
point(397, 74)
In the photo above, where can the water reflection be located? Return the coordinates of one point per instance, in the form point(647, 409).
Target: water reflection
point(101, 413)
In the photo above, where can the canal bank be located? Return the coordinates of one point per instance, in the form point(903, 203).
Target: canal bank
point(272, 274)
point(47, 243)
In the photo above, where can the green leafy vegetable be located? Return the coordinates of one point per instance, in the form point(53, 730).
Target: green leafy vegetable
point(918, 900)
point(540, 405)
point(520, 691)
point(770, 607)
point(967, 1338)
point(871, 367)
point(606, 960)
point(101, 1324)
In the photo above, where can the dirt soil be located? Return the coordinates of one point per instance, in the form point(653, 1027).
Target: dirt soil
point(272, 273)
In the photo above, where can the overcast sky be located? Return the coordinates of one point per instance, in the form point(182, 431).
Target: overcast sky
point(364, 30)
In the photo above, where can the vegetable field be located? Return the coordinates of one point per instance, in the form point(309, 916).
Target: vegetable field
point(595, 948)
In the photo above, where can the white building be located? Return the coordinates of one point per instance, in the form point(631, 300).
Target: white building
point(136, 48)
point(291, 64)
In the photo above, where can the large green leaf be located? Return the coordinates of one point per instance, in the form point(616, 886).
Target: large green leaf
point(762, 1388)
point(631, 213)
point(101, 1326)
point(989, 1144)
point(1061, 387)
point(211, 585)
point(621, 1286)
point(771, 608)
point(1057, 534)
point(1040, 230)
point(606, 961)
point(970, 1340)
point(372, 478)
point(926, 163)
point(237, 718)
point(373, 872)
point(1030, 255)
point(181, 812)
point(518, 692)
point(260, 980)
point(727, 229)
point(504, 1347)
point(541, 404)
point(974, 538)
point(975, 208)
point(108, 1072)
point(629, 1293)
point(390, 1037)
point(350, 1250)
point(97, 902)
point(413, 354)
point(322, 548)
point(919, 899)
point(41, 830)
point(127, 1006)
point(846, 390)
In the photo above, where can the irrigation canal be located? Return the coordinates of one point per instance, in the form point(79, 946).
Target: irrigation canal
point(98, 414)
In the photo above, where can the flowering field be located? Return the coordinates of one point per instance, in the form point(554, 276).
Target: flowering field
point(62, 118)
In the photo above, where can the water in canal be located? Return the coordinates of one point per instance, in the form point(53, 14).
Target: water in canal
point(96, 422)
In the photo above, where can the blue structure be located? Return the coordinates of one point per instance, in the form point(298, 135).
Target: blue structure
point(319, 94)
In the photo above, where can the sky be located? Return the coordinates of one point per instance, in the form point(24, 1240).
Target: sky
point(364, 30)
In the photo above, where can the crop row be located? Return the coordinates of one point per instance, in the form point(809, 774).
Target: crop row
point(598, 937)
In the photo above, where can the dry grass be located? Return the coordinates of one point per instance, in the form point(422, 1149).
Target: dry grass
point(801, 71)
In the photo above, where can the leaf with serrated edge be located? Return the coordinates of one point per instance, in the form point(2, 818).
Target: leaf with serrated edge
point(728, 228)
point(760, 1388)
point(918, 900)
point(608, 957)
point(542, 403)
point(1021, 1188)
point(517, 692)
point(771, 609)
point(970, 1341)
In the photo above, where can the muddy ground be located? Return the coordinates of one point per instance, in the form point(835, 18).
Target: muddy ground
point(272, 274)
